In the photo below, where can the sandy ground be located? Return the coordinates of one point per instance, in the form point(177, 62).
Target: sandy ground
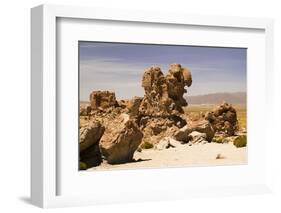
point(183, 156)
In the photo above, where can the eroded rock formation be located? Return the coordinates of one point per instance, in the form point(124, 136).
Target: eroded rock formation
point(158, 118)
point(129, 122)
point(164, 94)
point(161, 107)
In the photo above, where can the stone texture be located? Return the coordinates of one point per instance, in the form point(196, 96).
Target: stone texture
point(182, 134)
point(176, 79)
point(203, 126)
point(197, 137)
point(120, 140)
point(90, 135)
point(102, 99)
point(134, 105)
point(223, 119)
point(164, 94)
point(85, 110)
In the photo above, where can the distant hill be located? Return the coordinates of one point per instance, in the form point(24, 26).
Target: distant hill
point(215, 98)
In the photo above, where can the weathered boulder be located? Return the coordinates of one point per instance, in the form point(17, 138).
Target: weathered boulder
point(90, 135)
point(223, 119)
point(201, 126)
point(120, 140)
point(197, 137)
point(102, 99)
point(89, 144)
point(182, 134)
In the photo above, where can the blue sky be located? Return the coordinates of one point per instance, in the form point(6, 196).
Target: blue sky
point(119, 67)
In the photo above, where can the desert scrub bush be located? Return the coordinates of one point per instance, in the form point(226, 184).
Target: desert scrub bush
point(82, 166)
point(218, 139)
point(146, 145)
point(240, 141)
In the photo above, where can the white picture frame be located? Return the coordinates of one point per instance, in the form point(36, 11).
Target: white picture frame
point(44, 153)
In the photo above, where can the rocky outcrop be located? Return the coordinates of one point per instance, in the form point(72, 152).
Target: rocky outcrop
point(89, 144)
point(161, 107)
point(223, 119)
point(102, 99)
point(151, 118)
point(120, 140)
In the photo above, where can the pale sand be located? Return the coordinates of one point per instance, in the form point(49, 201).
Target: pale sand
point(183, 156)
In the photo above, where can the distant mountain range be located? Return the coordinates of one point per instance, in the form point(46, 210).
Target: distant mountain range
point(216, 98)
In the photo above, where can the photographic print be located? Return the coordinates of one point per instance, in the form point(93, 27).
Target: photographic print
point(161, 106)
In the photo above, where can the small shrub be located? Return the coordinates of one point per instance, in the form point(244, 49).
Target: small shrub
point(82, 166)
point(146, 145)
point(218, 139)
point(240, 141)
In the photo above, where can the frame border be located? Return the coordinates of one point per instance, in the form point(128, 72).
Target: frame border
point(44, 84)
